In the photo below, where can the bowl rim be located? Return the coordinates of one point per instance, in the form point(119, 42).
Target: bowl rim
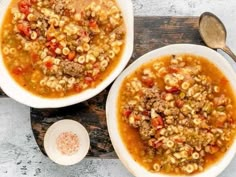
point(11, 88)
point(111, 107)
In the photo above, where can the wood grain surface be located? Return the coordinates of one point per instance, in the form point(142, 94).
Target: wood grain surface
point(150, 33)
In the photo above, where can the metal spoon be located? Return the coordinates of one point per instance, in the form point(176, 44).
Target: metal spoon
point(213, 33)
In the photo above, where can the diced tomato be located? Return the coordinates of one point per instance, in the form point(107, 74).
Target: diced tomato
point(49, 64)
point(178, 140)
point(24, 29)
point(17, 70)
point(71, 55)
point(33, 1)
point(52, 46)
point(49, 38)
point(173, 90)
point(127, 112)
point(214, 149)
point(148, 81)
point(146, 113)
point(92, 24)
point(24, 7)
point(34, 57)
point(77, 88)
point(137, 117)
point(179, 103)
point(173, 69)
point(96, 65)
point(154, 143)
point(88, 80)
point(157, 122)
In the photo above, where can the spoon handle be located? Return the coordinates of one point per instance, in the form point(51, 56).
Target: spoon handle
point(229, 52)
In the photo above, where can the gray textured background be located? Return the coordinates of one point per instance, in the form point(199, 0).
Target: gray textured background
point(19, 154)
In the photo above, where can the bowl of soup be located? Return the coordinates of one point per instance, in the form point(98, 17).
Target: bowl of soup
point(58, 53)
point(172, 113)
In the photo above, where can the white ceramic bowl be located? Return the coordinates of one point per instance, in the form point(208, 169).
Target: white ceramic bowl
point(55, 130)
point(15, 91)
point(111, 107)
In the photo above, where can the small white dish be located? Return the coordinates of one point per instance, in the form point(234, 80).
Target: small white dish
point(53, 133)
point(112, 104)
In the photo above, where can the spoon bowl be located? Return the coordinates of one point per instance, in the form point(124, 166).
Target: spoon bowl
point(213, 33)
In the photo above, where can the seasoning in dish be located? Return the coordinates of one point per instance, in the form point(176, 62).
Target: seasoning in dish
point(62, 47)
point(68, 143)
point(177, 114)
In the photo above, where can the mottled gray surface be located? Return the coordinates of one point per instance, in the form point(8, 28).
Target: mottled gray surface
point(19, 154)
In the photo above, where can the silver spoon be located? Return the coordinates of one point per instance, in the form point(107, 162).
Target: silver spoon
point(213, 33)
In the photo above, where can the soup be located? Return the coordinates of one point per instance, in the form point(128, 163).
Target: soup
point(56, 48)
point(177, 114)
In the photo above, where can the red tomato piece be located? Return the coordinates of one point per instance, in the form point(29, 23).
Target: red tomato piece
point(92, 24)
point(34, 57)
point(33, 1)
point(49, 64)
point(173, 69)
point(17, 70)
point(24, 29)
point(179, 103)
point(157, 122)
point(173, 90)
point(24, 7)
point(77, 88)
point(127, 112)
point(148, 81)
point(88, 80)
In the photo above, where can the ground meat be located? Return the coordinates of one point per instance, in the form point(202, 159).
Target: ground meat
point(145, 130)
point(72, 68)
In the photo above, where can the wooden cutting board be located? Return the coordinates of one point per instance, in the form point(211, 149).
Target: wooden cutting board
point(150, 33)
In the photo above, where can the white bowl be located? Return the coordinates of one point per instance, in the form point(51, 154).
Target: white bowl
point(15, 91)
point(55, 130)
point(111, 107)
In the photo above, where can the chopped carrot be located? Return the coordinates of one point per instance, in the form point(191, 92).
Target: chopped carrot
point(71, 55)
